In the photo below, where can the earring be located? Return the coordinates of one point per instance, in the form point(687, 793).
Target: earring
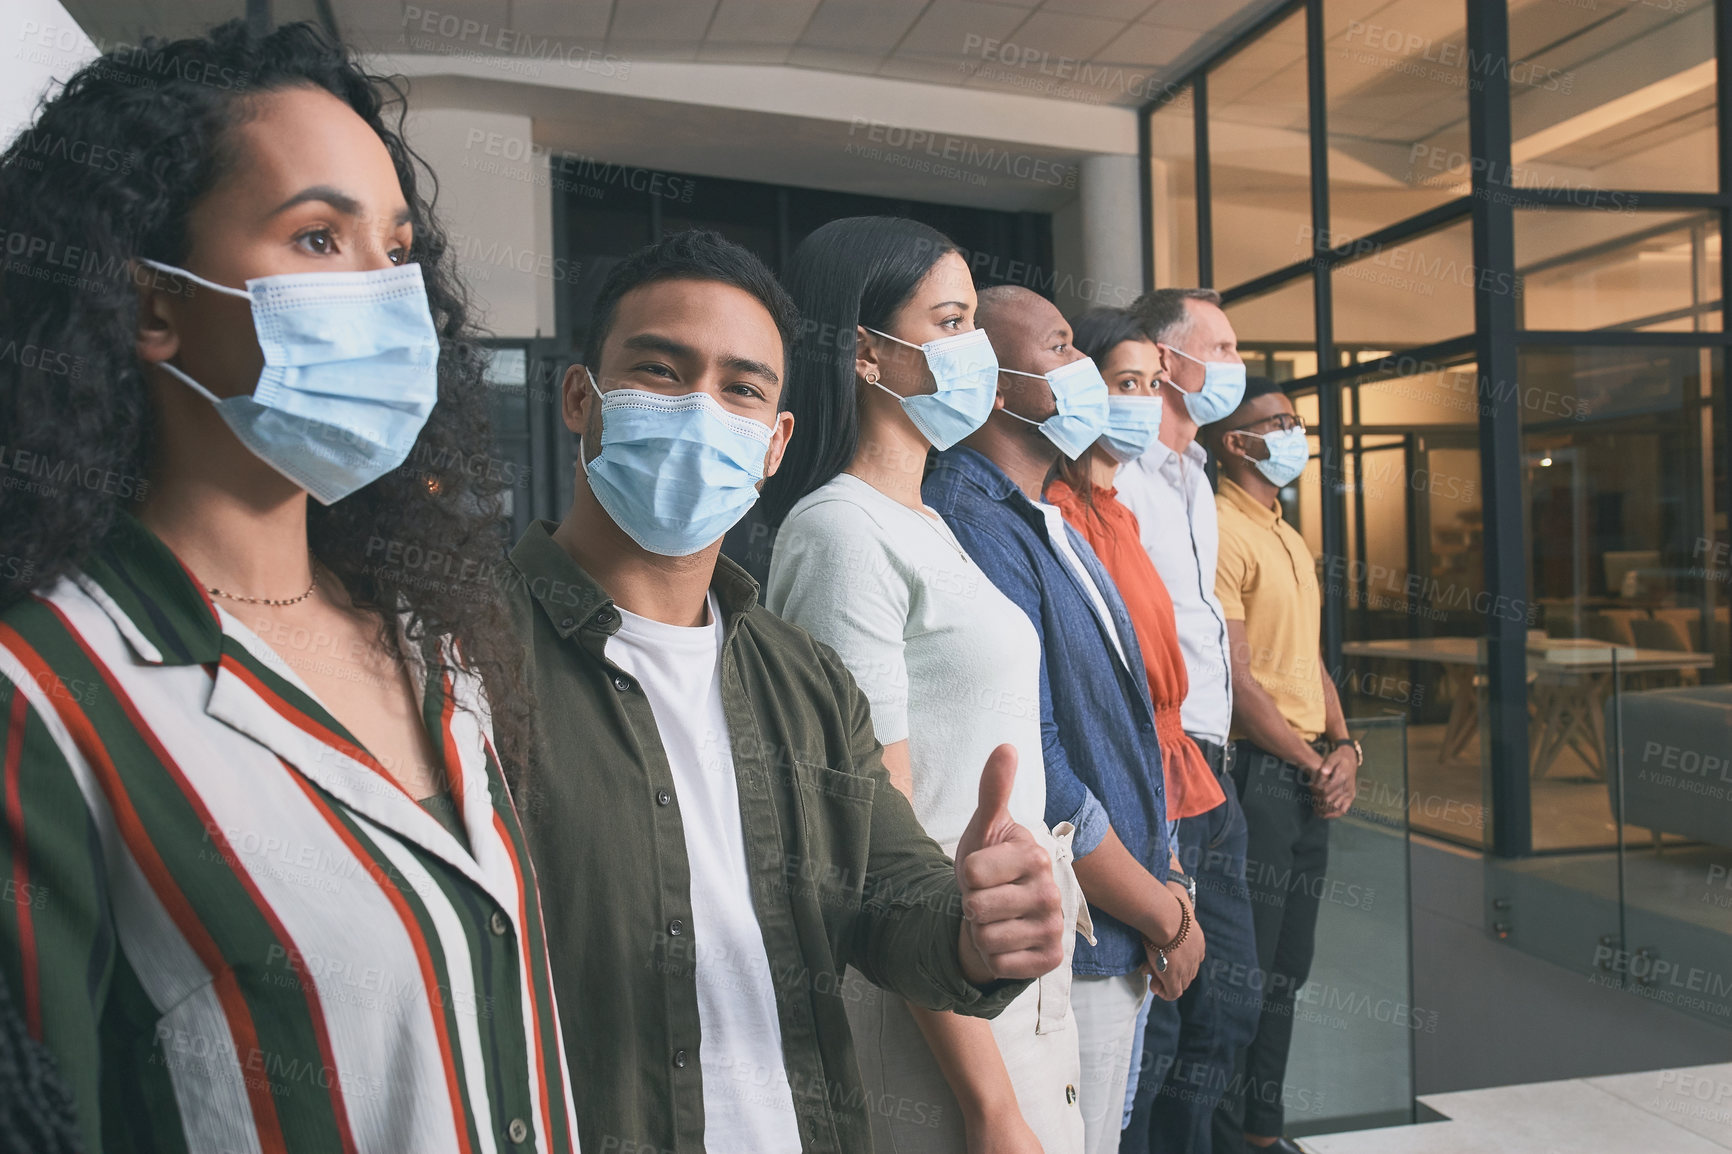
point(871, 378)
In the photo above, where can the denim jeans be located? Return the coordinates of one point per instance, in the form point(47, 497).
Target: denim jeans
point(1190, 1046)
point(1288, 851)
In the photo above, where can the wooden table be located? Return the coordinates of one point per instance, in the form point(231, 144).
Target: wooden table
point(1566, 704)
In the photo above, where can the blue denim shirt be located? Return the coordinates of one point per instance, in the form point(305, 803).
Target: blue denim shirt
point(1103, 764)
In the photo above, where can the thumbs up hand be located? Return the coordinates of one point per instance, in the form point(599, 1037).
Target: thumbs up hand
point(1013, 922)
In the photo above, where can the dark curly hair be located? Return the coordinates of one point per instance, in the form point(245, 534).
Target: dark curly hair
point(107, 175)
point(36, 1111)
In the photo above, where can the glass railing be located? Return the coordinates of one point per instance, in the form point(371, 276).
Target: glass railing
point(1351, 1064)
point(1649, 909)
point(1629, 651)
point(1669, 771)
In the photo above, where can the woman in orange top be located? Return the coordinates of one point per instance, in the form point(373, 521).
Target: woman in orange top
point(1083, 489)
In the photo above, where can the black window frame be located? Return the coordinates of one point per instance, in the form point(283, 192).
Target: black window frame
point(1494, 343)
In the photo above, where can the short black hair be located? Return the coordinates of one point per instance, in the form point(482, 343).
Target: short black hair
point(1254, 387)
point(695, 254)
point(1257, 387)
point(1165, 314)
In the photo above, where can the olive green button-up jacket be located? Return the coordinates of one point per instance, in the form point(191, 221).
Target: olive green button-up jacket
point(841, 872)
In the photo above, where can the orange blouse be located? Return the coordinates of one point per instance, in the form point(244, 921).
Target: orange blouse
point(1112, 531)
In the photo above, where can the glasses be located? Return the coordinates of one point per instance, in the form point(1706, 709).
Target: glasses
point(1281, 421)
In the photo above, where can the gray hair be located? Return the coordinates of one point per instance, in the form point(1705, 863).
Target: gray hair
point(1164, 315)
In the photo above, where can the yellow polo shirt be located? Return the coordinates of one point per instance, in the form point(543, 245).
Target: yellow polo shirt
point(1265, 577)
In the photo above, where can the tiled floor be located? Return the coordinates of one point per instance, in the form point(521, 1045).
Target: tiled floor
point(1571, 807)
point(1659, 1112)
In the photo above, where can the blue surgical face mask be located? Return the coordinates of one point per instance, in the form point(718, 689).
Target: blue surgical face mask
point(1081, 396)
point(966, 371)
point(1288, 453)
point(675, 472)
point(351, 374)
point(1132, 425)
point(1223, 389)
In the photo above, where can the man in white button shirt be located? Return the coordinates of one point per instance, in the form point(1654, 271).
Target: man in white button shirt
point(1195, 1040)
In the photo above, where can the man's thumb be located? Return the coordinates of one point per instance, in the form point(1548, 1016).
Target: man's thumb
point(996, 781)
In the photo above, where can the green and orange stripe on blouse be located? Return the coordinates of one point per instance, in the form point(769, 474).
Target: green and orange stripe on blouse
point(231, 926)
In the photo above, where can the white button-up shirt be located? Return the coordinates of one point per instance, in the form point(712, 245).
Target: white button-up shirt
point(1175, 508)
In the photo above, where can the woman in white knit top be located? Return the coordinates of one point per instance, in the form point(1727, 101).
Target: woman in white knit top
point(950, 665)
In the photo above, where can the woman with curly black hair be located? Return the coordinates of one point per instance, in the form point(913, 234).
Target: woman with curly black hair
point(267, 887)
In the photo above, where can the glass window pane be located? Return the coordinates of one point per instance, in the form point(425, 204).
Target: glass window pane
point(1416, 292)
point(507, 365)
point(1654, 271)
point(1173, 189)
point(1397, 84)
point(1260, 156)
point(1276, 332)
point(1302, 501)
point(1612, 96)
point(1418, 393)
point(1677, 789)
point(1413, 579)
point(1622, 498)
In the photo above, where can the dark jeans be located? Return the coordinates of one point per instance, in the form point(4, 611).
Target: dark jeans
point(1288, 851)
point(1191, 1045)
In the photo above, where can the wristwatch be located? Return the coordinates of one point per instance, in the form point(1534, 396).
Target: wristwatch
point(1186, 880)
point(1336, 743)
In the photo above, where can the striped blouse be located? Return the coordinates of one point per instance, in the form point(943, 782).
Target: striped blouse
point(234, 930)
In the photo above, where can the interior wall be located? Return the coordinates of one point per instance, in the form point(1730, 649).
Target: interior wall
point(495, 208)
point(1110, 193)
point(1067, 257)
point(47, 46)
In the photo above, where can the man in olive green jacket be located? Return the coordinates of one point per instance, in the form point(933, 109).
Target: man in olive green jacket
point(709, 815)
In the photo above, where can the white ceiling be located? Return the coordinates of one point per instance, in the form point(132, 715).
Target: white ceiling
point(1116, 52)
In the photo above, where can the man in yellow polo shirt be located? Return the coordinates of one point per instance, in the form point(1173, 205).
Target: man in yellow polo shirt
point(1293, 763)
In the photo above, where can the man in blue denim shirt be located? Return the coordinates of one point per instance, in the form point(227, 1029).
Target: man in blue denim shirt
point(1103, 766)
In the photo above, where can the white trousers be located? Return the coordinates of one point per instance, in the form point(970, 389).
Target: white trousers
point(1105, 1010)
point(912, 1108)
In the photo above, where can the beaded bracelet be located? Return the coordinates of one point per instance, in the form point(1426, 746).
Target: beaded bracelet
point(1184, 931)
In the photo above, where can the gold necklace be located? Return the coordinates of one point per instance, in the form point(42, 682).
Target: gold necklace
point(215, 592)
point(933, 523)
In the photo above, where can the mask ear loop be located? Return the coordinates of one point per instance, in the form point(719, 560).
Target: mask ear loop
point(1248, 433)
point(176, 371)
point(595, 391)
point(1172, 384)
point(888, 337)
point(874, 381)
point(180, 374)
point(243, 294)
point(1006, 408)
